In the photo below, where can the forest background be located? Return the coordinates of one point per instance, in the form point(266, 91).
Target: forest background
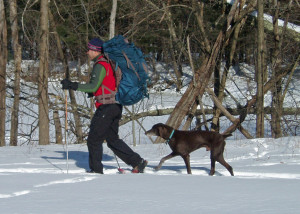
point(211, 37)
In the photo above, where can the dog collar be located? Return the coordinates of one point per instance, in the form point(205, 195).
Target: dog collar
point(167, 141)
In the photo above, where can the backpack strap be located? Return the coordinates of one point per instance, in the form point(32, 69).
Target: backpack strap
point(130, 63)
point(106, 98)
point(102, 59)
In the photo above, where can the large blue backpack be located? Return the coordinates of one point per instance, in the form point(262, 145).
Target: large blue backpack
point(130, 59)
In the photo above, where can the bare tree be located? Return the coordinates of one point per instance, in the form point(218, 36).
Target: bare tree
point(176, 46)
point(221, 80)
point(3, 61)
point(18, 61)
point(43, 76)
point(112, 22)
point(202, 75)
point(276, 60)
point(260, 70)
point(78, 124)
point(279, 89)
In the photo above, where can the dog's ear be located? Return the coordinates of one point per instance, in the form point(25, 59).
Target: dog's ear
point(161, 131)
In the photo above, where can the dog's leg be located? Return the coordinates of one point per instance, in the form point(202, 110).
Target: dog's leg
point(186, 159)
point(164, 159)
point(222, 161)
point(212, 163)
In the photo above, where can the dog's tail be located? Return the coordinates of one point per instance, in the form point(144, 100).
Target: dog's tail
point(226, 135)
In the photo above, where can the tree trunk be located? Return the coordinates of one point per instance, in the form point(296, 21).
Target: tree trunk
point(222, 80)
point(197, 87)
point(176, 46)
point(78, 124)
point(276, 91)
point(215, 125)
point(202, 76)
point(58, 129)
point(260, 71)
point(278, 94)
point(3, 61)
point(43, 76)
point(268, 86)
point(112, 21)
point(18, 61)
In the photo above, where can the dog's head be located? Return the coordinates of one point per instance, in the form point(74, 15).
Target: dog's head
point(159, 129)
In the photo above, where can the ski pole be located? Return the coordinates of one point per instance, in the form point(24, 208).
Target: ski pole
point(66, 128)
point(119, 169)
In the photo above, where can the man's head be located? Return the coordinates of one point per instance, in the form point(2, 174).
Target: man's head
point(94, 48)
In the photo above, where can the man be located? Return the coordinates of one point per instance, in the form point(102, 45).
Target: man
point(105, 122)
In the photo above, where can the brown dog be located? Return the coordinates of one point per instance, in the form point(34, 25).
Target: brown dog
point(184, 142)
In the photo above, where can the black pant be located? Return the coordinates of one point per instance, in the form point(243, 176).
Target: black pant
point(105, 126)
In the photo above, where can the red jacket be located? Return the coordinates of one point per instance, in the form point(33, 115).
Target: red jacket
point(109, 81)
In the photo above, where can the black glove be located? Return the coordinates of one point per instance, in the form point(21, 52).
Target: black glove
point(67, 84)
point(89, 95)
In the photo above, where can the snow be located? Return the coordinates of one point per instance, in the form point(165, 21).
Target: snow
point(269, 19)
point(35, 179)
point(39, 179)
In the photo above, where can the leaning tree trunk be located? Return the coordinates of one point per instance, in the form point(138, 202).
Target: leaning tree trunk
point(18, 61)
point(43, 76)
point(201, 78)
point(3, 61)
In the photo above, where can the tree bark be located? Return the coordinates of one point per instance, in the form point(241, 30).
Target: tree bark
point(58, 129)
point(223, 78)
point(3, 61)
point(260, 71)
point(112, 21)
point(43, 76)
point(18, 61)
point(276, 91)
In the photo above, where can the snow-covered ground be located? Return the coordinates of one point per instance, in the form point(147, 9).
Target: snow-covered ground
point(34, 179)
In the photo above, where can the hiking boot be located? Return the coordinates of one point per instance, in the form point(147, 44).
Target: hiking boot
point(92, 171)
point(140, 167)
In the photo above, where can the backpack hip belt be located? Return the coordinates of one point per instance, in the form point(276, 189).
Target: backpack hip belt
point(106, 98)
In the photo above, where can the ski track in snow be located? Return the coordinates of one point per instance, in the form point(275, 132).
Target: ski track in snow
point(250, 163)
point(63, 181)
point(109, 172)
point(24, 192)
point(68, 181)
